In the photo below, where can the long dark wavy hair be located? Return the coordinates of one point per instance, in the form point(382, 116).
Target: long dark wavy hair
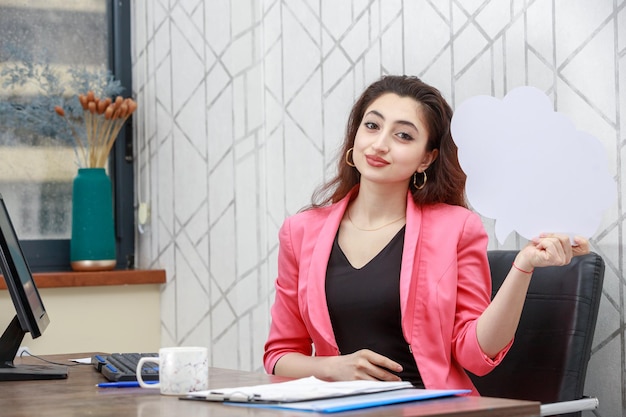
point(446, 179)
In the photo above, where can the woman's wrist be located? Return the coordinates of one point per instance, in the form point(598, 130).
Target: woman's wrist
point(522, 264)
point(525, 271)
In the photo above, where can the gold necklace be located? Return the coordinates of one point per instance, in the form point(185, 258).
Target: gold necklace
point(376, 228)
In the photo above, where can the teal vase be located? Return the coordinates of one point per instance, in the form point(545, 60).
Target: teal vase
point(92, 247)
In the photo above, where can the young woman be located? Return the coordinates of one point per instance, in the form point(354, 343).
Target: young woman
point(386, 275)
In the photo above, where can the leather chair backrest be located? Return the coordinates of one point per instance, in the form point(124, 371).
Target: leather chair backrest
point(549, 357)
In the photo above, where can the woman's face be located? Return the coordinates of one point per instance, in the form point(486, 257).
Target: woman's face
point(390, 144)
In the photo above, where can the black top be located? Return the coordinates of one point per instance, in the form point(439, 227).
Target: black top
point(364, 306)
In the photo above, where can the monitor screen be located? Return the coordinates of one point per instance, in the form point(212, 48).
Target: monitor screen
point(30, 313)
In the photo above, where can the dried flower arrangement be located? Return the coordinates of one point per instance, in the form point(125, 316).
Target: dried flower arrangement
point(30, 116)
point(103, 118)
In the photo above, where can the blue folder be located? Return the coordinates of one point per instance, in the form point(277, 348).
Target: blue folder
point(355, 402)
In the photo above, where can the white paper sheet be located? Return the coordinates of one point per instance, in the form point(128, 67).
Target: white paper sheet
point(298, 390)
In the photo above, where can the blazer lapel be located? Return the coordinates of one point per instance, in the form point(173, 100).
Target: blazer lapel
point(317, 270)
point(410, 258)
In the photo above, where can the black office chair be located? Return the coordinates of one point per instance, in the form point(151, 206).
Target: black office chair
point(549, 357)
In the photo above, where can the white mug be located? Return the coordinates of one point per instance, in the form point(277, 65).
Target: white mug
point(181, 370)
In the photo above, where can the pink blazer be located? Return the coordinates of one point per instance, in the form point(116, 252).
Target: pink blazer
point(445, 285)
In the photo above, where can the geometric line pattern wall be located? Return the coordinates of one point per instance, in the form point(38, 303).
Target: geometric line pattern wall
point(243, 106)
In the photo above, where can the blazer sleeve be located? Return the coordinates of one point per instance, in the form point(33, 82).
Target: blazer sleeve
point(288, 332)
point(473, 297)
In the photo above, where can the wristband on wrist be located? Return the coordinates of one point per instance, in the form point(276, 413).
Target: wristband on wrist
point(523, 270)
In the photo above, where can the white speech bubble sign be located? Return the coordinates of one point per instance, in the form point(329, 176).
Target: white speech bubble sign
point(529, 168)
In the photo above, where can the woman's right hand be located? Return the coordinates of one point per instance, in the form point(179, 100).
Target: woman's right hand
point(362, 364)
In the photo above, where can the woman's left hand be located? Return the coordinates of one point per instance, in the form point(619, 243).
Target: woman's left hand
point(551, 249)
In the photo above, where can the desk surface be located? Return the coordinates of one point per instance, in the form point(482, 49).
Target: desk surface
point(78, 396)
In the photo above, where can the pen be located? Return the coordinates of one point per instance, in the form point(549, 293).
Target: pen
point(122, 384)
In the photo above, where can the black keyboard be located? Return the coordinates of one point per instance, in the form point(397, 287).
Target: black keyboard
point(122, 366)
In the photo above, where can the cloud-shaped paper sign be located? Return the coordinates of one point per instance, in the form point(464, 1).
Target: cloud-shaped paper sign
point(529, 168)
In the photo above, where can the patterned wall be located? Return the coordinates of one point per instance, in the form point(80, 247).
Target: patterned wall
point(243, 105)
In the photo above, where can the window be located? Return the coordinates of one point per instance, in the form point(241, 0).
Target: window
point(45, 44)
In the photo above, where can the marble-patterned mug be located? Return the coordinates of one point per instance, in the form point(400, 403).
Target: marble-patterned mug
point(182, 369)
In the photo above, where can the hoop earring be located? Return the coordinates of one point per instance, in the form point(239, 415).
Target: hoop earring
point(419, 187)
point(348, 162)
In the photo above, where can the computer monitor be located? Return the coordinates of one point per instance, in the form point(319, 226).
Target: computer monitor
point(30, 313)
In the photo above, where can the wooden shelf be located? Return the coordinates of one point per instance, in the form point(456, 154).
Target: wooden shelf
point(89, 279)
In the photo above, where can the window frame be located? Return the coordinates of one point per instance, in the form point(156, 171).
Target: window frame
point(54, 254)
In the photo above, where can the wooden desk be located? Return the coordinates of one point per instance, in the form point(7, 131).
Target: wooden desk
point(78, 396)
